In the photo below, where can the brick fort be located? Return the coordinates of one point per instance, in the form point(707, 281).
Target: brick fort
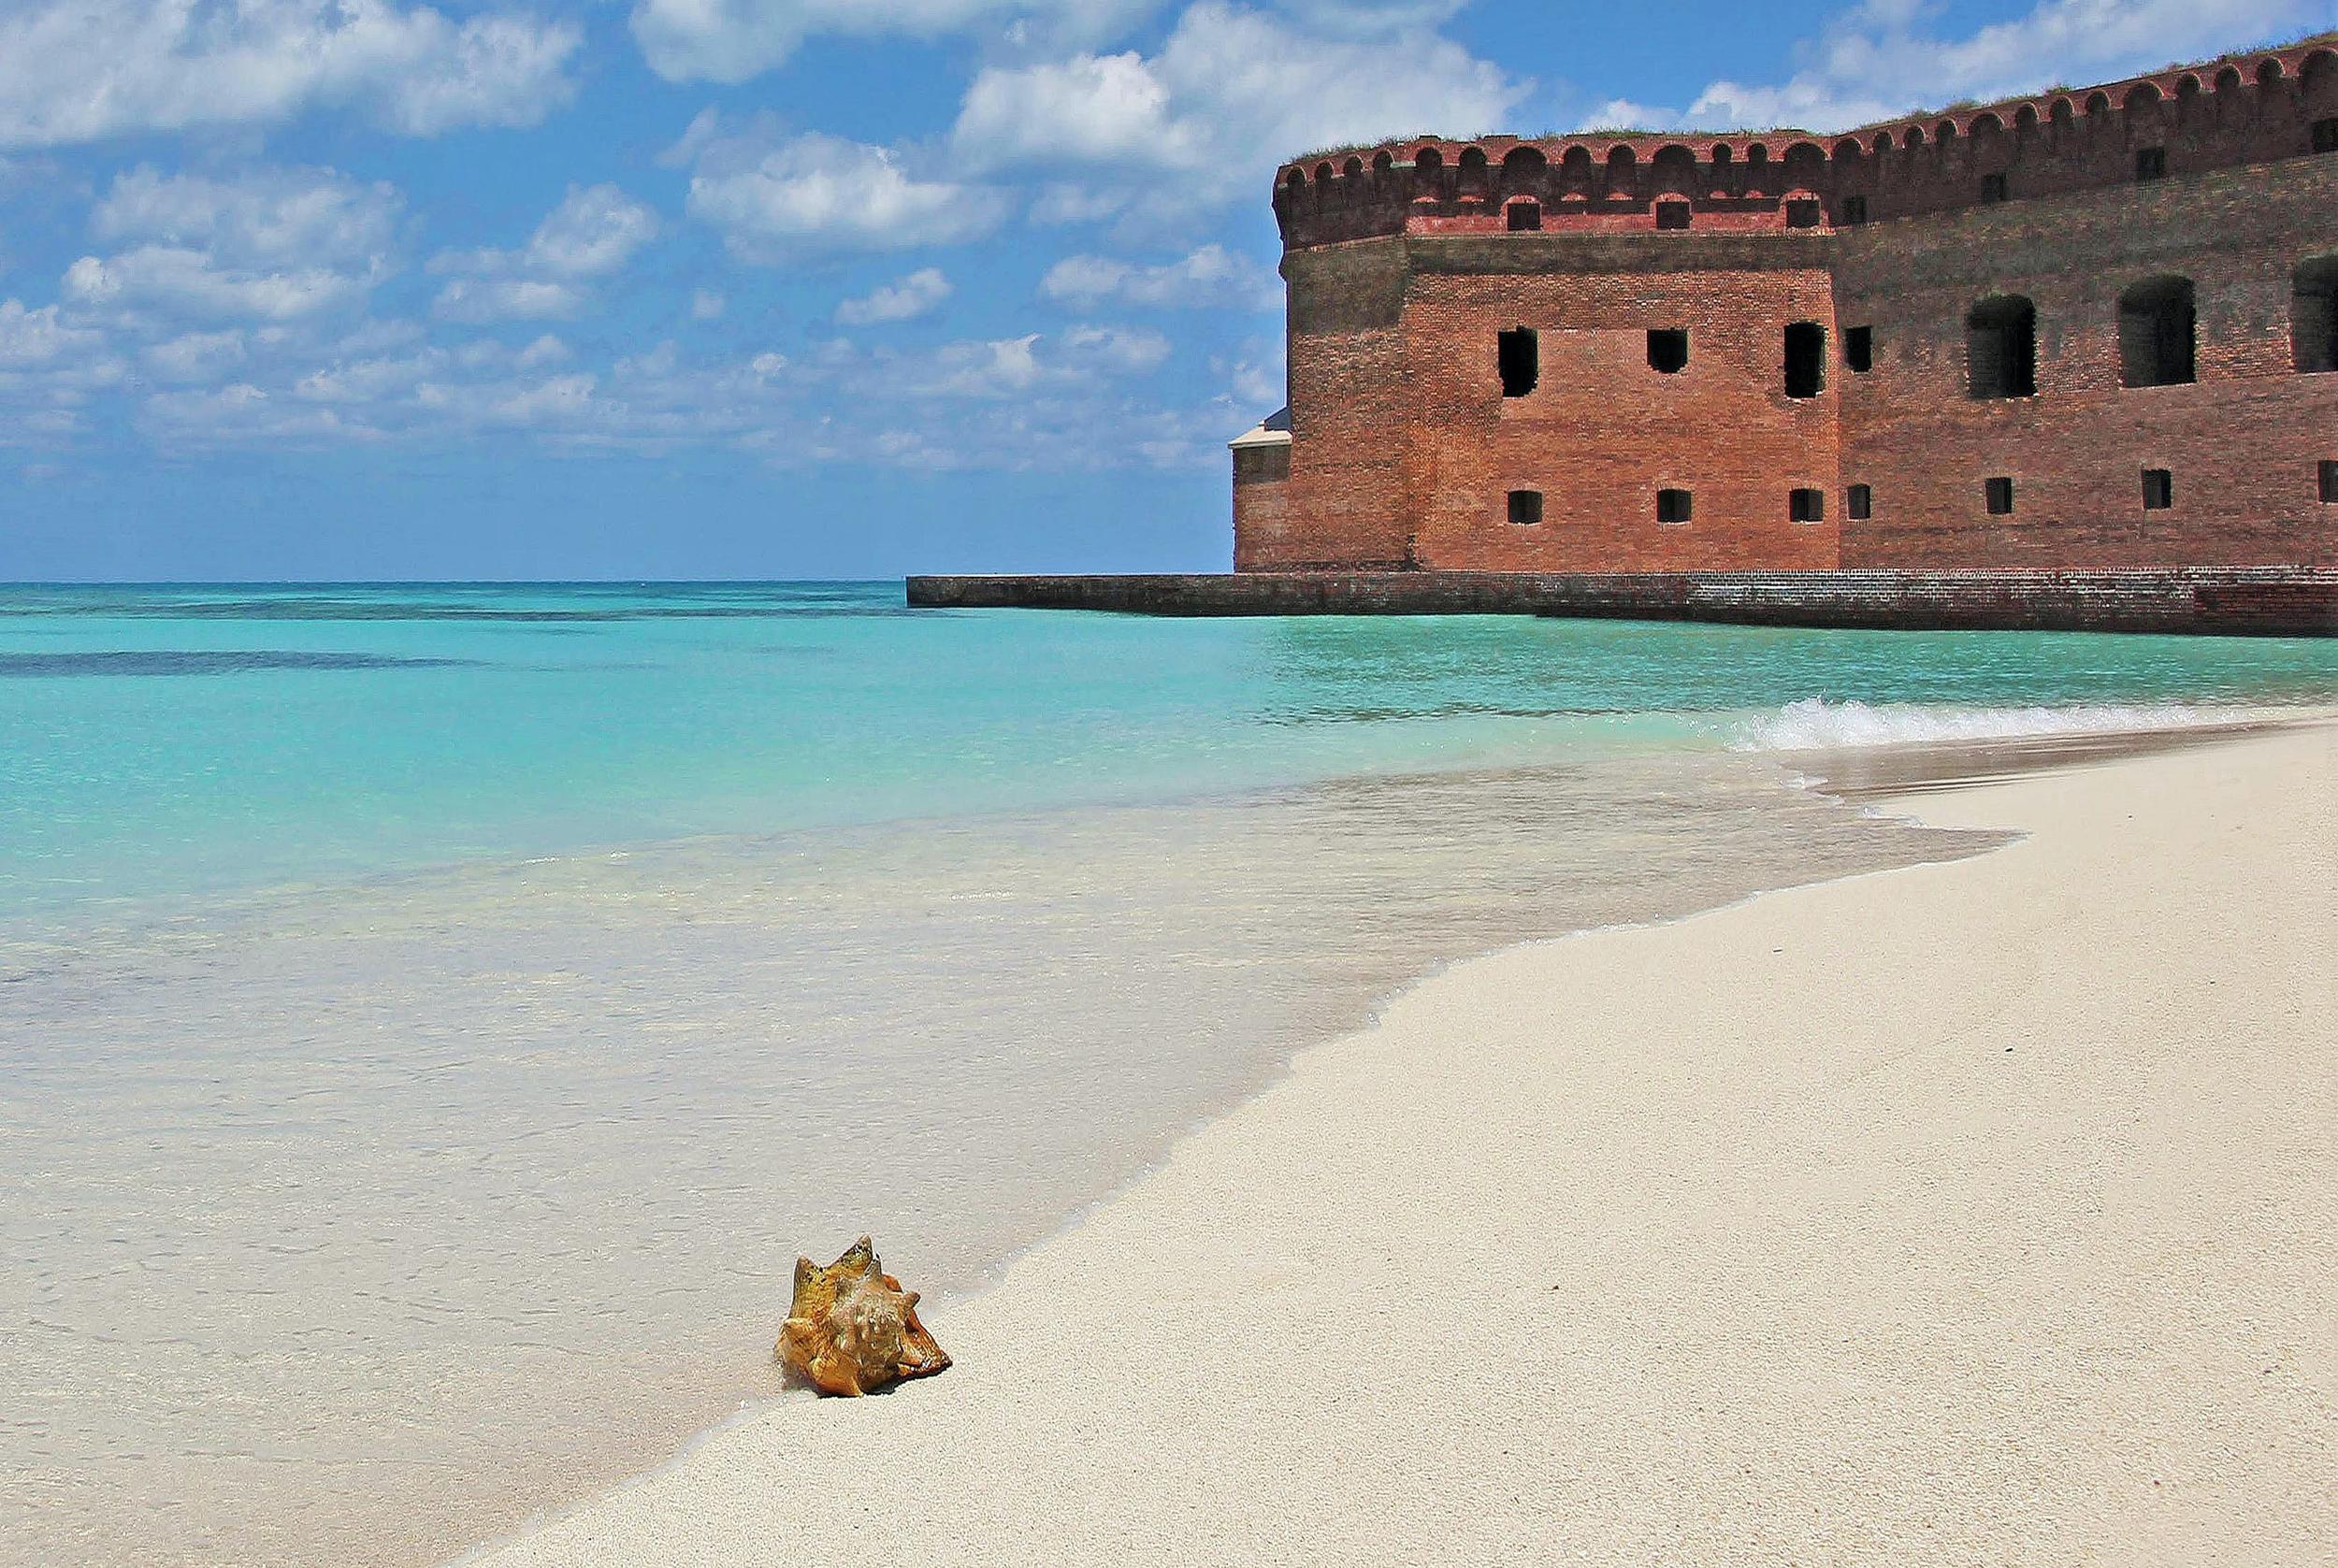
point(2082, 342)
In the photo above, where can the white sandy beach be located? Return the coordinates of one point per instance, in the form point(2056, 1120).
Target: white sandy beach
point(1974, 1213)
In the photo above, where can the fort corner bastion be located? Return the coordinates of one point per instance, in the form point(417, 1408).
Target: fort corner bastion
point(2063, 360)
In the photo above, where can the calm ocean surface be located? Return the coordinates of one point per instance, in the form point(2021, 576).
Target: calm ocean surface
point(433, 1018)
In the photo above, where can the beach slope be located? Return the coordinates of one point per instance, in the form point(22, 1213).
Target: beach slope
point(1977, 1212)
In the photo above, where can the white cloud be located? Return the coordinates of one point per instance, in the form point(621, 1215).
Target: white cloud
point(29, 337)
point(706, 305)
point(258, 218)
point(241, 411)
point(1874, 62)
point(1018, 369)
point(912, 296)
point(178, 280)
point(81, 70)
point(495, 299)
point(731, 41)
point(593, 232)
point(819, 192)
point(1229, 95)
point(1211, 276)
point(197, 356)
point(270, 244)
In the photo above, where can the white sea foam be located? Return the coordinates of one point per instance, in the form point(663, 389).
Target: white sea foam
point(1814, 723)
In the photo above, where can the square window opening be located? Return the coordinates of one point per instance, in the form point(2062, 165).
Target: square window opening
point(1807, 506)
point(1525, 508)
point(1858, 349)
point(1668, 350)
point(2325, 136)
point(1674, 506)
point(1802, 214)
point(1859, 503)
point(1854, 210)
point(1672, 214)
point(1518, 360)
point(1998, 493)
point(1992, 187)
point(1525, 217)
point(2151, 162)
point(2330, 483)
point(2158, 489)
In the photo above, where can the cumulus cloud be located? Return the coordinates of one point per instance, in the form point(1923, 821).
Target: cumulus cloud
point(593, 233)
point(29, 337)
point(197, 356)
point(258, 217)
point(731, 41)
point(910, 297)
point(81, 70)
point(1001, 369)
point(178, 280)
point(1230, 93)
point(495, 299)
point(822, 193)
point(1878, 61)
point(270, 244)
point(1211, 276)
point(241, 411)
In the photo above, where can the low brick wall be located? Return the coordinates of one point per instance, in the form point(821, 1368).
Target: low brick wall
point(2262, 601)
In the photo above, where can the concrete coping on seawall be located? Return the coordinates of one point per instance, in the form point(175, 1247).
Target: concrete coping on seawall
point(2266, 601)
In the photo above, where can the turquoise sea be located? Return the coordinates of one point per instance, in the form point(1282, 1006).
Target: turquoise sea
point(432, 1018)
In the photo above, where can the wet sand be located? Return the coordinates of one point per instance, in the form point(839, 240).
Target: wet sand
point(1977, 1211)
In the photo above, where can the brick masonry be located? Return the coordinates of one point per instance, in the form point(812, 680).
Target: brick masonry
point(1403, 267)
point(2238, 601)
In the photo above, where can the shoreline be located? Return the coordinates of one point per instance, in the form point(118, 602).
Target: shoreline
point(1162, 1267)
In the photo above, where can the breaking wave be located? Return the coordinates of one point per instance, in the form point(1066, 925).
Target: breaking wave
point(1815, 724)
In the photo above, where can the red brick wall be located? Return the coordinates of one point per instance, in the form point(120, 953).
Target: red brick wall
point(1602, 432)
point(2242, 443)
point(1346, 502)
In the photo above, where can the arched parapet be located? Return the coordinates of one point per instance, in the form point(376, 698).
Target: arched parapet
point(2249, 108)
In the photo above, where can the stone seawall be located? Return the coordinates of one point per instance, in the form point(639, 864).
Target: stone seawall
point(2269, 602)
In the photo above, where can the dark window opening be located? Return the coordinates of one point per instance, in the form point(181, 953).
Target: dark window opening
point(1668, 350)
point(1672, 214)
point(2158, 489)
point(1807, 506)
point(1859, 503)
point(2314, 315)
point(1806, 359)
point(1802, 214)
point(2330, 483)
point(2326, 136)
point(1852, 210)
point(1518, 358)
point(1525, 506)
point(1673, 506)
point(1858, 349)
point(2156, 325)
point(1524, 216)
point(2001, 348)
point(1992, 187)
point(2000, 492)
point(2151, 162)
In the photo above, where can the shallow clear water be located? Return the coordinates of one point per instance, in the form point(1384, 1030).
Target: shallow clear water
point(432, 1020)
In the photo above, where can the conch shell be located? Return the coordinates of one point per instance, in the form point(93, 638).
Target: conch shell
point(852, 1328)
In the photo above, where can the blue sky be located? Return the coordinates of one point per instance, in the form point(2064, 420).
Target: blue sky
point(769, 288)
